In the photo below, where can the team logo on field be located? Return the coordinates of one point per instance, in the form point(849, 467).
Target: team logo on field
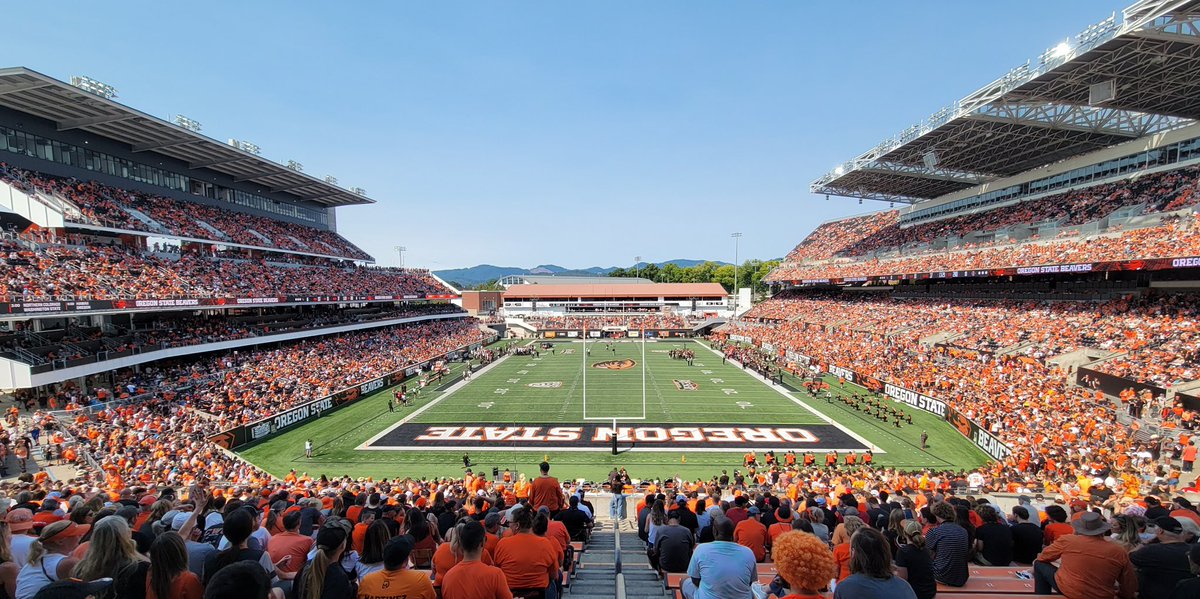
point(546, 385)
point(686, 385)
point(660, 351)
point(615, 364)
point(568, 351)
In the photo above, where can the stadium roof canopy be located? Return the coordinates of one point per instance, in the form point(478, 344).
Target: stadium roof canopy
point(1114, 82)
point(69, 107)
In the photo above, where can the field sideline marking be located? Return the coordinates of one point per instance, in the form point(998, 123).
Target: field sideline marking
point(785, 393)
point(451, 391)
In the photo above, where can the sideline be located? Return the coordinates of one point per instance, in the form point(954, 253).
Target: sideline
point(447, 393)
point(814, 411)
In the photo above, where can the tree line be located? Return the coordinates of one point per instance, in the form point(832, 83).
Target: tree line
point(751, 273)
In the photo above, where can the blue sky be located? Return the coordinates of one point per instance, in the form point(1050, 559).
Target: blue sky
point(577, 133)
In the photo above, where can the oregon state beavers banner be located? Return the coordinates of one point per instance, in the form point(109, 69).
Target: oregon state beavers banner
point(52, 306)
point(651, 437)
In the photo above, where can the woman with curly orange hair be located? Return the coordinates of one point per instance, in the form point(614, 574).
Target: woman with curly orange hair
point(805, 565)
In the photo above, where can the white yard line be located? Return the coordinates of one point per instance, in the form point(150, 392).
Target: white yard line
point(798, 402)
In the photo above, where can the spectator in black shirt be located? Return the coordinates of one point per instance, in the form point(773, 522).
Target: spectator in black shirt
point(1154, 508)
point(993, 540)
point(1026, 537)
point(575, 520)
point(687, 518)
point(1162, 564)
point(913, 562)
point(1189, 588)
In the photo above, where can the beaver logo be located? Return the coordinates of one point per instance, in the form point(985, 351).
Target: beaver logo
point(615, 364)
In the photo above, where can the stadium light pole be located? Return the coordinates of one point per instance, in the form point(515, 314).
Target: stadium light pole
point(400, 250)
point(737, 237)
point(637, 266)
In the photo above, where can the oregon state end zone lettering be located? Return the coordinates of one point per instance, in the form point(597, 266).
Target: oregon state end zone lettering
point(590, 436)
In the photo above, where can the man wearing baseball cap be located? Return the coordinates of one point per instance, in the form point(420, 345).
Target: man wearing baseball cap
point(1160, 566)
point(1091, 565)
point(20, 524)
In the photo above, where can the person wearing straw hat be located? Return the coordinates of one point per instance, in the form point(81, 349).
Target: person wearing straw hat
point(1091, 566)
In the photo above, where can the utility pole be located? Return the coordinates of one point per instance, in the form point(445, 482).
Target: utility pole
point(400, 250)
point(737, 237)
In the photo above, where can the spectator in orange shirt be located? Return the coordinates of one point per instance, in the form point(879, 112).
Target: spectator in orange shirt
point(471, 578)
point(289, 543)
point(527, 560)
point(841, 553)
point(359, 534)
point(546, 491)
point(751, 534)
point(1091, 565)
point(396, 581)
point(1057, 526)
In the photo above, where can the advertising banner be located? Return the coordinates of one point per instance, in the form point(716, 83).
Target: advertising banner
point(55, 307)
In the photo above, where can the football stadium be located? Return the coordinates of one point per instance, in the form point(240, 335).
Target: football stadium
point(981, 380)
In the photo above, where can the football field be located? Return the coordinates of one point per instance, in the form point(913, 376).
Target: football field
point(572, 406)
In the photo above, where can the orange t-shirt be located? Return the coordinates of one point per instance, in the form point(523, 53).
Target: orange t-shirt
point(293, 544)
point(752, 534)
point(396, 584)
point(546, 491)
point(475, 580)
point(528, 561)
point(1055, 530)
point(841, 555)
point(358, 536)
point(185, 586)
point(444, 559)
point(777, 529)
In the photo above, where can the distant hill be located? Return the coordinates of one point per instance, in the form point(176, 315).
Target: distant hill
point(482, 273)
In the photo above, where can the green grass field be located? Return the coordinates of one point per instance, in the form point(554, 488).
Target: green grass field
point(720, 394)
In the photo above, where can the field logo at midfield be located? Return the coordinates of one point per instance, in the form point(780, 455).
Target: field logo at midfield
point(615, 364)
point(546, 385)
point(568, 351)
point(686, 385)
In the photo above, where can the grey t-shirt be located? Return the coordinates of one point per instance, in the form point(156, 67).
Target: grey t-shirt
point(861, 586)
point(675, 544)
point(197, 554)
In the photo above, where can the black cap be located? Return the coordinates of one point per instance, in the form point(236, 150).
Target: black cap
point(396, 552)
point(1168, 524)
point(74, 589)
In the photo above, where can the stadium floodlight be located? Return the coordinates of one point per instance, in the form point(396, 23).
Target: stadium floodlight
point(189, 124)
point(330, 179)
point(358, 191)
point(400, 250)
point(296, 166)
point(92, 86)
point(637, 266)
point(1062, 49)
point(839, 170)
point(245, 146)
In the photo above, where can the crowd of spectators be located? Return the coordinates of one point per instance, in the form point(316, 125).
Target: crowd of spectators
point(1174, 237)
point(1170, 190)
point(166, 330)
point(633, 322)
point(1061, 435)
point(831, 238)
point(1155, 338)
point(45, 271)
point(300, 537)
point(109, 206)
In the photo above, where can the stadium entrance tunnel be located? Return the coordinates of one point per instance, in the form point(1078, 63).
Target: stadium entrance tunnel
point(639, 437)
